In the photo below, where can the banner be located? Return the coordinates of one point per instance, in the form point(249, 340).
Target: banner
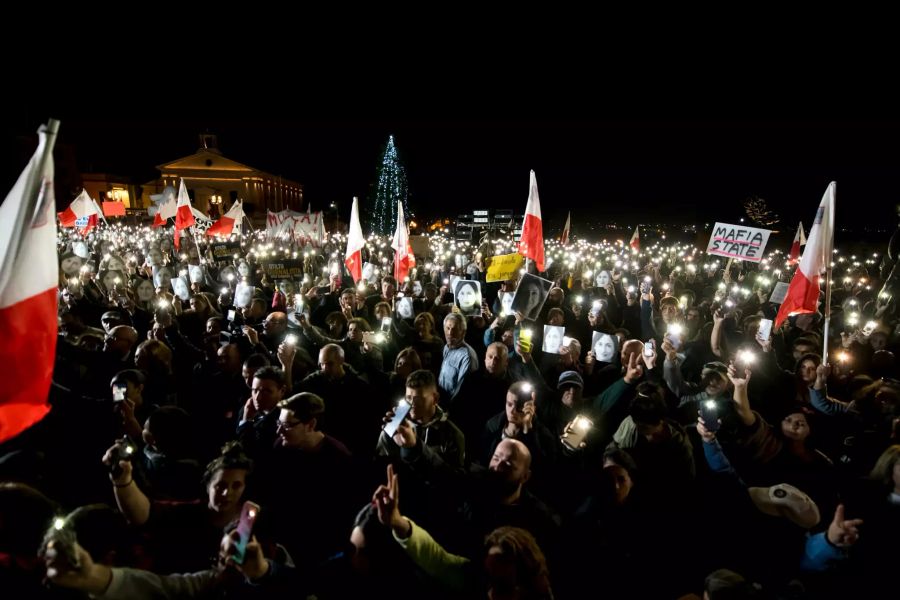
point(284, 269)
point(505, 266)
point(738, 241)
point(223, 253)
point(302, 227)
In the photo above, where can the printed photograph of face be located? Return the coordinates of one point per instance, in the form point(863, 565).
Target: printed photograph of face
point(287, 287)
point(70, 265)
point(162, 277)
point(243, 269)
point(530, 296)
point(243, 293)
point(368, 272)
point(467, 295)
point(602, 279)
point(506, 300)
point(108, 279)
point(418, 290)
point(604, 346)
point(553, 338)
point(81, 249)
point(196, 273)
point(144, 290)
point(167, 246)
point(115, 263)
point(154, 257)
point(405, 308)
point(181, 288)
point(224, 272)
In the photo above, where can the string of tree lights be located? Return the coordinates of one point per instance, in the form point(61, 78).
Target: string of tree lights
point(391, 186)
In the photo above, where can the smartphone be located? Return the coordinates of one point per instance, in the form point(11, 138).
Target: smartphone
point(649, 350)
point(869, 328)
point(709, 412)
point(62, 535)
point(765, 329)
point(386, 324)
point(231, 315)
point(645, 286)
point(290, 339)
point(596, 307)
point(525, 339)
point(400, 413)
point(123, 450)
point(574, 438)
point(524, 397)
point(673, 332)
point(245, 529)
point(119, 390)
point(369, 337)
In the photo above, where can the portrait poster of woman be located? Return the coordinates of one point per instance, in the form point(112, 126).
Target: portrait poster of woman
point(467, 297)
point(530, 296)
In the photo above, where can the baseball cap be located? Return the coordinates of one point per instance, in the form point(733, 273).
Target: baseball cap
point(786, 501)
point(716, 367)
point(570, 378)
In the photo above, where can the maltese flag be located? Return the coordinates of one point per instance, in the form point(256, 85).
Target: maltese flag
point(230, 221)
point(635, 241)
point(184, 217)
point(404, 259)
point(28, 279)
point(799, 240)
point(166, 210)
point(531, 243)
point(81, 213)
point(803, 292)
point(355, 243)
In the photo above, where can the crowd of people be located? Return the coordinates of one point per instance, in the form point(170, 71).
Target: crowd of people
point(664, 446)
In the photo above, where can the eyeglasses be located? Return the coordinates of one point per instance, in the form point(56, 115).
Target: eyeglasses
point(288, 425)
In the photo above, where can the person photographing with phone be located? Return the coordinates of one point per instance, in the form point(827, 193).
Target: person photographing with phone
point(429, 422)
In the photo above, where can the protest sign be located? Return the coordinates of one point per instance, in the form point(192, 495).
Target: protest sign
point(738, 241)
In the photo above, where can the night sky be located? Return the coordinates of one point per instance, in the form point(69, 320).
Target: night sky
point(626, 171)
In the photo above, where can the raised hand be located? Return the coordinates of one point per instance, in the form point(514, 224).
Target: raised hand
point(707, 435)
point(387, 504)
point(842, 532)
point(634, 370)
point(736, 380)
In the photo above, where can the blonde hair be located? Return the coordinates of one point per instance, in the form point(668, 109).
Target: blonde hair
point(883, 472)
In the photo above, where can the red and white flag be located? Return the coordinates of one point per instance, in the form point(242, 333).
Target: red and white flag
point(799, 240)
point(564, 238)
point(82, 213)
point(404, 259)
point(531, 244)
point(166, 210)
point(803, 293)
point(28, 279)
point(184, 217)
point(230, 222)
point(636, 239)
point(355, 243)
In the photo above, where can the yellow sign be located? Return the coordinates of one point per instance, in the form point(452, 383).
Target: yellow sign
point(505, 266)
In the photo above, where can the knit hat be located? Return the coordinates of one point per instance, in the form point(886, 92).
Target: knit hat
point(570, 378)
point(786, 501)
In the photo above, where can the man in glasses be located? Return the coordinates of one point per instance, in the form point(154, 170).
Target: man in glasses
point(305, 456)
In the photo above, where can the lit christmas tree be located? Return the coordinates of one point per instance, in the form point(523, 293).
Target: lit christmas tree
point(391, 187)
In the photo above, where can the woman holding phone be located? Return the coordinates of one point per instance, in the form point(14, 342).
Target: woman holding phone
point(184, 535)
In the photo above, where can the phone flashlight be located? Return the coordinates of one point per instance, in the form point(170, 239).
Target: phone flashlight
point(843, 357)
point(290, 339)
point(379, 338)
point(579, 299)
point(674, 329)
point(583, 423)
point(746, 356)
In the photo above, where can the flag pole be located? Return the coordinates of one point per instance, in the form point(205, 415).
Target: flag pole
point(828, 268)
